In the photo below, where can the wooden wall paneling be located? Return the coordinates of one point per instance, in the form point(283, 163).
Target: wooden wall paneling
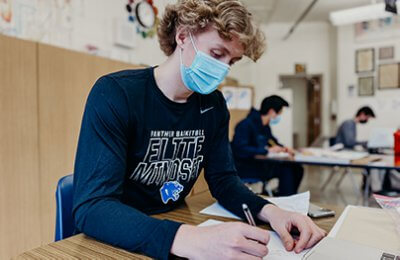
point(19, 153)
point(237, 115)
point(65, 79)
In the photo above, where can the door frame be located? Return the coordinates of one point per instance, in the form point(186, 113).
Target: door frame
point(308, 78)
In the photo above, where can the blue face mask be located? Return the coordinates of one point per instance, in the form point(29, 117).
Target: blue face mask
point(205, 73)
point(275, 121)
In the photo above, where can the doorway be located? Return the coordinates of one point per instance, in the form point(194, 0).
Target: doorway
point(306, 106)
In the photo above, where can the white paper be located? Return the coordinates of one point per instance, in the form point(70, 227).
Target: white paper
point(319, 159)
point(329, 156)
point(210, 222)
point(280, 155)
point(297, 203)
point(275, 247)
point(216, 209)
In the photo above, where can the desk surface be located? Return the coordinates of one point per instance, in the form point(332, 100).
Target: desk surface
point(383, 162)
point(84, 247)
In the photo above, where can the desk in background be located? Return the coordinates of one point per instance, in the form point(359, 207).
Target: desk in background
point(84, 247)
point(380, 162)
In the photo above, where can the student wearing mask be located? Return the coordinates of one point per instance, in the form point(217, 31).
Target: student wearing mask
point(253, 136)
point(347, 132)
point(146, 134)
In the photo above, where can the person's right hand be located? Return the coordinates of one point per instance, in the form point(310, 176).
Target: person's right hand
point(276, 149)
point(230, 240)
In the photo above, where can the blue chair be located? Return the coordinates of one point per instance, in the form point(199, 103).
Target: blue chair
point(64, 221)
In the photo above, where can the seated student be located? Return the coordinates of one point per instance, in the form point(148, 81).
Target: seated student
point(147, 133)
point(253, 136)
point(347, 132)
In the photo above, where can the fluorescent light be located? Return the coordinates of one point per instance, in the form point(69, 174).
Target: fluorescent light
point(360, 14)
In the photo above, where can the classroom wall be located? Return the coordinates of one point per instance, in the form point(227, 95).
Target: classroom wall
point(19, 148)
point(75, 24)
point(310, 44)
point(386, 103)
point(298, 86)
point(42, 95)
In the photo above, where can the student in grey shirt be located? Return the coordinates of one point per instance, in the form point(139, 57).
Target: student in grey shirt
point(347, 133)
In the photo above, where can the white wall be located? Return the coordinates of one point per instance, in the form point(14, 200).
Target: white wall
point(77, 24)
point(84, 22)
point(310, 44)
point(383, 102)
point(299, 106)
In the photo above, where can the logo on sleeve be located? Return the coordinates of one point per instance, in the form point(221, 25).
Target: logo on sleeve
point(170, 191)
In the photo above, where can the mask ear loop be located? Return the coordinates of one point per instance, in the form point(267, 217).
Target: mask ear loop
point(180, 55)
point(194, 46)
point(191, 39)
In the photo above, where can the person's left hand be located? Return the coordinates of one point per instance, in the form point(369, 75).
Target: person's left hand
point(283, 221)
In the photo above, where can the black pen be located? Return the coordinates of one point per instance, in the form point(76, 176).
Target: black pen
point(248, 215)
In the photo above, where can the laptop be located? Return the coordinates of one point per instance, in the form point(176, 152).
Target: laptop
point(381, 138)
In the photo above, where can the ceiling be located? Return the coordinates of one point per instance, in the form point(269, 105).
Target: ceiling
point(270, 11)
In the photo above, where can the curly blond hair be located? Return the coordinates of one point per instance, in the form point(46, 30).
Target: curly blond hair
point(229, 17)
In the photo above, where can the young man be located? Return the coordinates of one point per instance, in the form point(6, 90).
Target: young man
point(347, 133)
point(146, 134)
point(253, 136)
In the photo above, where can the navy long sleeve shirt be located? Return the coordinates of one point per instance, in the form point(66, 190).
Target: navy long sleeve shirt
point(251, 137)
point(140, 153)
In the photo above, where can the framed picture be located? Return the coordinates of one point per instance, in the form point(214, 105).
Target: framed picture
point(300, 68)
point(389, 76)
point(366, 86)
point(365, 60)
point(386, 53)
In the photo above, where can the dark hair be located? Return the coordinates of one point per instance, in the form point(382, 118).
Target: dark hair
point(366, 111)
point(273, 102)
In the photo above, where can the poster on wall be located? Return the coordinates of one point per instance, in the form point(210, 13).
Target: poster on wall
point(238, 97)
point(365, 60)
point(386, 53)
point(366, 86)
point(243, 98)
point(389, 76)
point(229, 95)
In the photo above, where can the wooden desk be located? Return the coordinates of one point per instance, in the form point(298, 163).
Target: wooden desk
point(84, 247)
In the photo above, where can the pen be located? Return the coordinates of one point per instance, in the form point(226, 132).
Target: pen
point(271, 142)
point(248, 215)
point(249, 218)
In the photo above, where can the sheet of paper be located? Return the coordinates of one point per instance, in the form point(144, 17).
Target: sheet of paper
point(276, 249)
point(278, 155)
point(319, 159)
point(298, 203)
point(330, 156)
point(216, 209)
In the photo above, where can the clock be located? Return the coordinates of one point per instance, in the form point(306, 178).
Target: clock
point(145, 14)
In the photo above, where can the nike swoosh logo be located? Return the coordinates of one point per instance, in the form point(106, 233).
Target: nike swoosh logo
point(202, 111)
